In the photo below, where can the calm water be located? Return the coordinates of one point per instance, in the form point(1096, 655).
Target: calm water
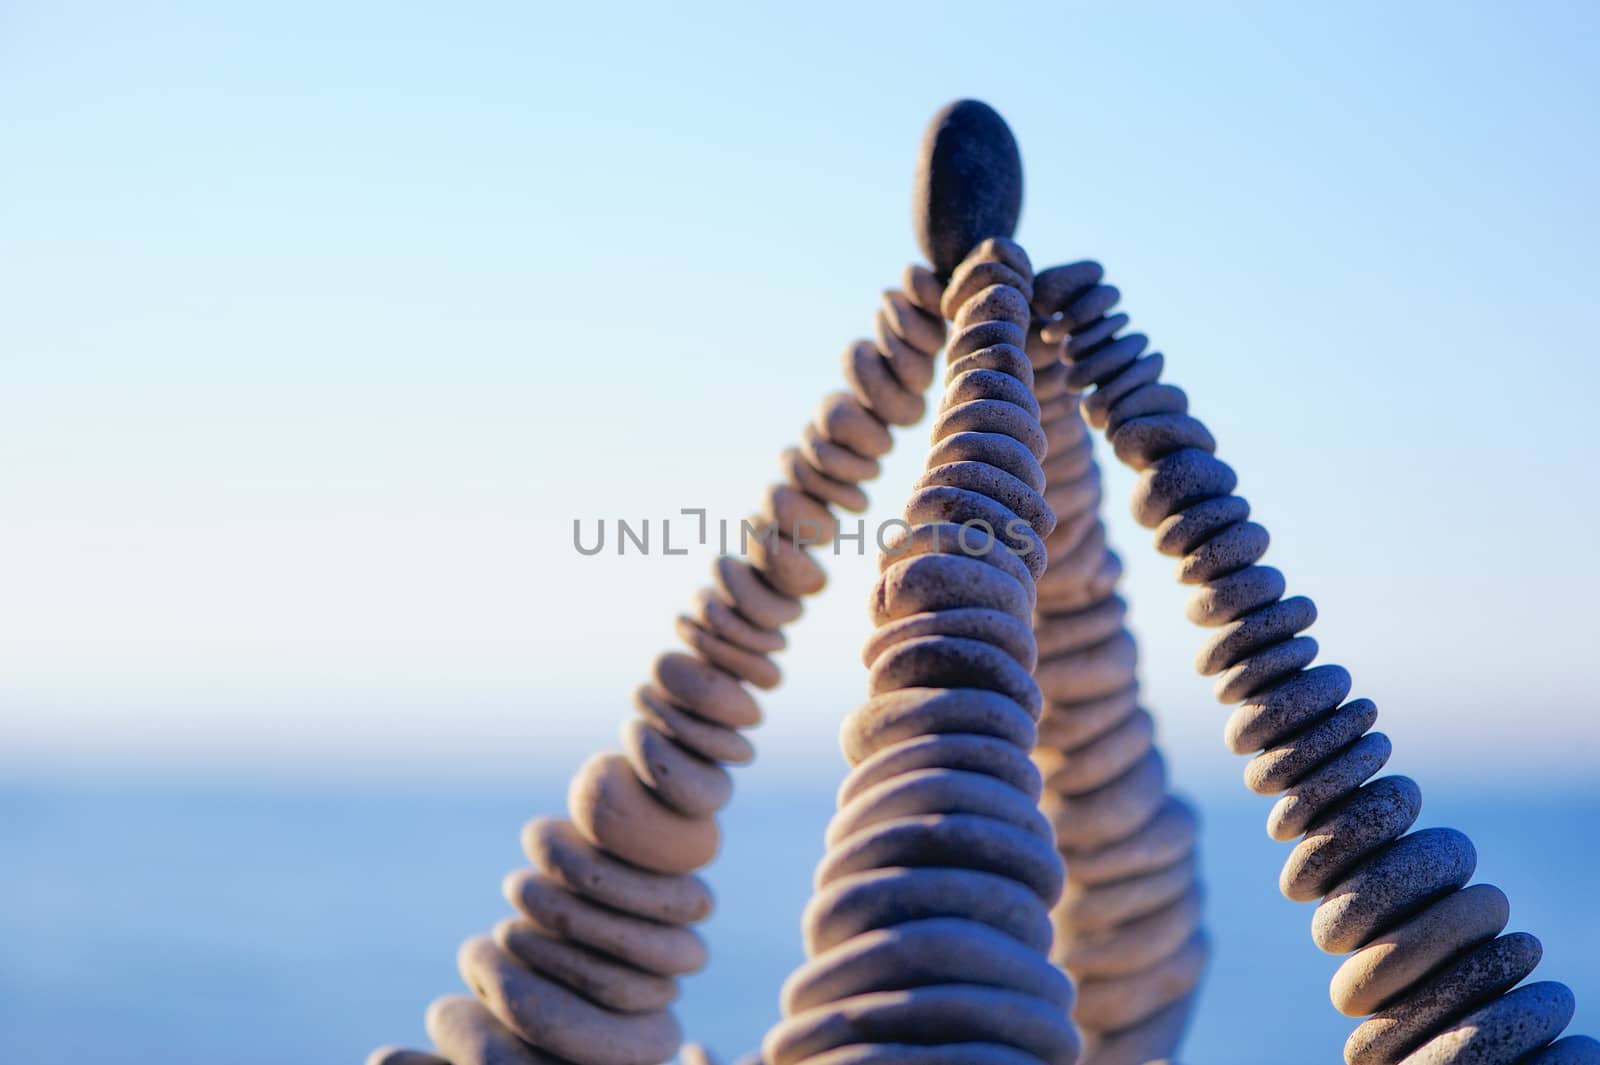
point(251, 928)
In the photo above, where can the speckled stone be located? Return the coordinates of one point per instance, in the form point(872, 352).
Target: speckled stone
point(1374, 815)
point(616, 812)
point(950, 538)
point(962, 752)
point(663, 949)
point(1398, 881)
point(992, 416)
point(1329, 783)
point(1278, 767)
point(1010, 492)
point(976, 623)
point(1504, 1030)
point(968, 184)
point(981, 515)
point(691, 785)
point(935, 950)
point(1054, 287)
point(882, 897)
point(560, 1021)
point(997, 303)
point(1119, 1002)
point(470, 1035)
point(602, 980)
point(990, 384)
point(557, 849)
point(1141, 442)
point(937, 791)
point(1239, 639)
point(983, 335)
point(1268, 667)
point(954, 662)
point(836, 460)
point(1376, 974)
point(1089, 338)
point(1183, 533)
point(1157, 398)
point(1139, 373)
point(871, 381)
point(926, 583)
point(1235, 595)
point(1090, 672)
point(1002, 358)
point(803, 475)
point(1475, 977)
point(1274, 715)
point(994, 449)
point(1105, 361)
point(976, 274)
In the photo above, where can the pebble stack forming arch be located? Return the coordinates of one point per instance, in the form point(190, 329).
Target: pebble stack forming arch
point(586, 971)
point(1427, 958)
point(1128, 924)
point(928, 931)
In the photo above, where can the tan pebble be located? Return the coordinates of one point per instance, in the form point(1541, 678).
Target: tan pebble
point(975, 275)
point(1099, 761)
point(992, 416)
point(692, 785)
point(922, 287)
point(1050, 382)
point(788, 567)
point(705, 691)
point(953, 662)
point(1111, 813)
point(996, 303)
point(1382, 970)
point(1119, 1002)
point(924, 331)
point(912, 367)
point(844, 420)
point(1091, 908)
point(949, 538)
point(745, 665)
point(836, 460)
point(1005, 358)
point(556, 847)
point(995, 449)
point(975, 623)
point(926, 583)
point(937, 791)
point(617, 812)
point(1372, 816)
point(898, 716)
point(962, 752)
point(802, 518)
point(732, 626)
point(1093, 671)
point(663, 949)
point(747, 592)
point(1077, 495)
point(559, 1021)
point(1133, 947)
point(706, 739)
point(598, 978)
point(1096, 588)
point(1163, 840)
point(874, 385)
point(1066, 631)
point(814, 482)
point(466, 1031)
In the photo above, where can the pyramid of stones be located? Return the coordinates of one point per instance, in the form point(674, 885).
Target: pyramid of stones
point(1427, 958)
point(927, 934)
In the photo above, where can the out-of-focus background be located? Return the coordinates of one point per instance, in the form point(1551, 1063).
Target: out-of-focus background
point(320, 325)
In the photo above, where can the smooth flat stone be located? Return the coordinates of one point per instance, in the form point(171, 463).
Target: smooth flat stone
point(1277, 713)
point(1067, 726)
point(1093, 908)
point(995, 449)
point(559, 1021)
point(927, 583)
point(1168, 837)
point(691, 785)
point(557, 848)
point(801, 518)
point(923, 287)
point(1328, 784)
point(602, 980)
point(1091, 672)
point(874, 384)
point(1147, 1043)
point(1184, 533)
point(968, 184)
point(1293, 759)
point(1056, 286)
point(1073, 630)
point(1132, 947)
point(997, 303)
point(973, 276)
point(749, 666)
point(992, 416)
point(470, 1035)
point(1270, 625)
point(990, 527)
point(1155, 398)
point(1141, 442)
point(617, 813)
point(961, 752)
point(705, 691)
point(743, 589)
point(856, 904)
point(710, 741)
point(1265, 669)
point(938, 791)
point(912, 713)
point(1119, 1002)
point(1112, 813)
point(1100, 761)
point(1373, 816)
point(790, 568)
point(843, 419)
point(1398, 881)
point(1376, 974)
point(953, 662)
point(663, 949)
point(1232, 549)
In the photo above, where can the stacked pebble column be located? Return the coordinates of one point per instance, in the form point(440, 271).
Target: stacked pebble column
point(586, 970)
point(928, 931)
point(1427, 958)
point(1128, 924)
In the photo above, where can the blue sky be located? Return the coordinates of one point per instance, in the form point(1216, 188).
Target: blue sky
point(319, 327)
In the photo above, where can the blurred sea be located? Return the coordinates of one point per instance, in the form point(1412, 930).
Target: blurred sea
point(256, 926)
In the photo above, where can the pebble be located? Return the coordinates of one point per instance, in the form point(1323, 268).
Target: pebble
point(1105, 361)
point(975, 623)
point(934, 950)
point(557, 849)
point(949, 538)
point(955, 840)
point(746, 665)
point(1002, 358)
point(1278, 767)
point(1179, 481)
point(1166, 838)
point(1072, 630)
point(1503, 1031)
point(616, 812)
point(1092, 908)
point(835, 460)
point(1121, 1002)
point(997, 303)
point(1231, 550)
point(742, 588)
point(1101, 760)
point(994, 449)
point(1263, 670)
point(1375, 815)
point(984, 519)
point(976, 274)
point(1131, 948)
point(870, 380)
point(710, 741)
point(843, 419)
point(992, 416)
point(1327, 784)
point(923, 287)
point(895, 717)
point(983, 335)
point(663, 949)
point(1055, 286)
point(954, 662)
point(1273, 715)
point(1378, 973)
point(990, 384)
point(1231, 597)
point(911, 367)
point(1573, 1050)
point(1143, 1043)
point(1136, 375)
point(962, 752)
point(1182, 533)
point(923, 330)
point(1253, 632)
point(787, 566)
point(937, 790)
point(852, 905)
point(927, 583)
point(392, 1055)
point(1069, 725)
point(1090, 672)
point(1142, 442)
point(1010, 492)
point(602, 980)
point(463, 1029)
point(815, 483)
point(1146, 400)
point(968, 184)
point(1110, 814)
point(734, 627)
point(684, 781)
point(559, 1021)
point(705, 691)
point(1410, 873)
